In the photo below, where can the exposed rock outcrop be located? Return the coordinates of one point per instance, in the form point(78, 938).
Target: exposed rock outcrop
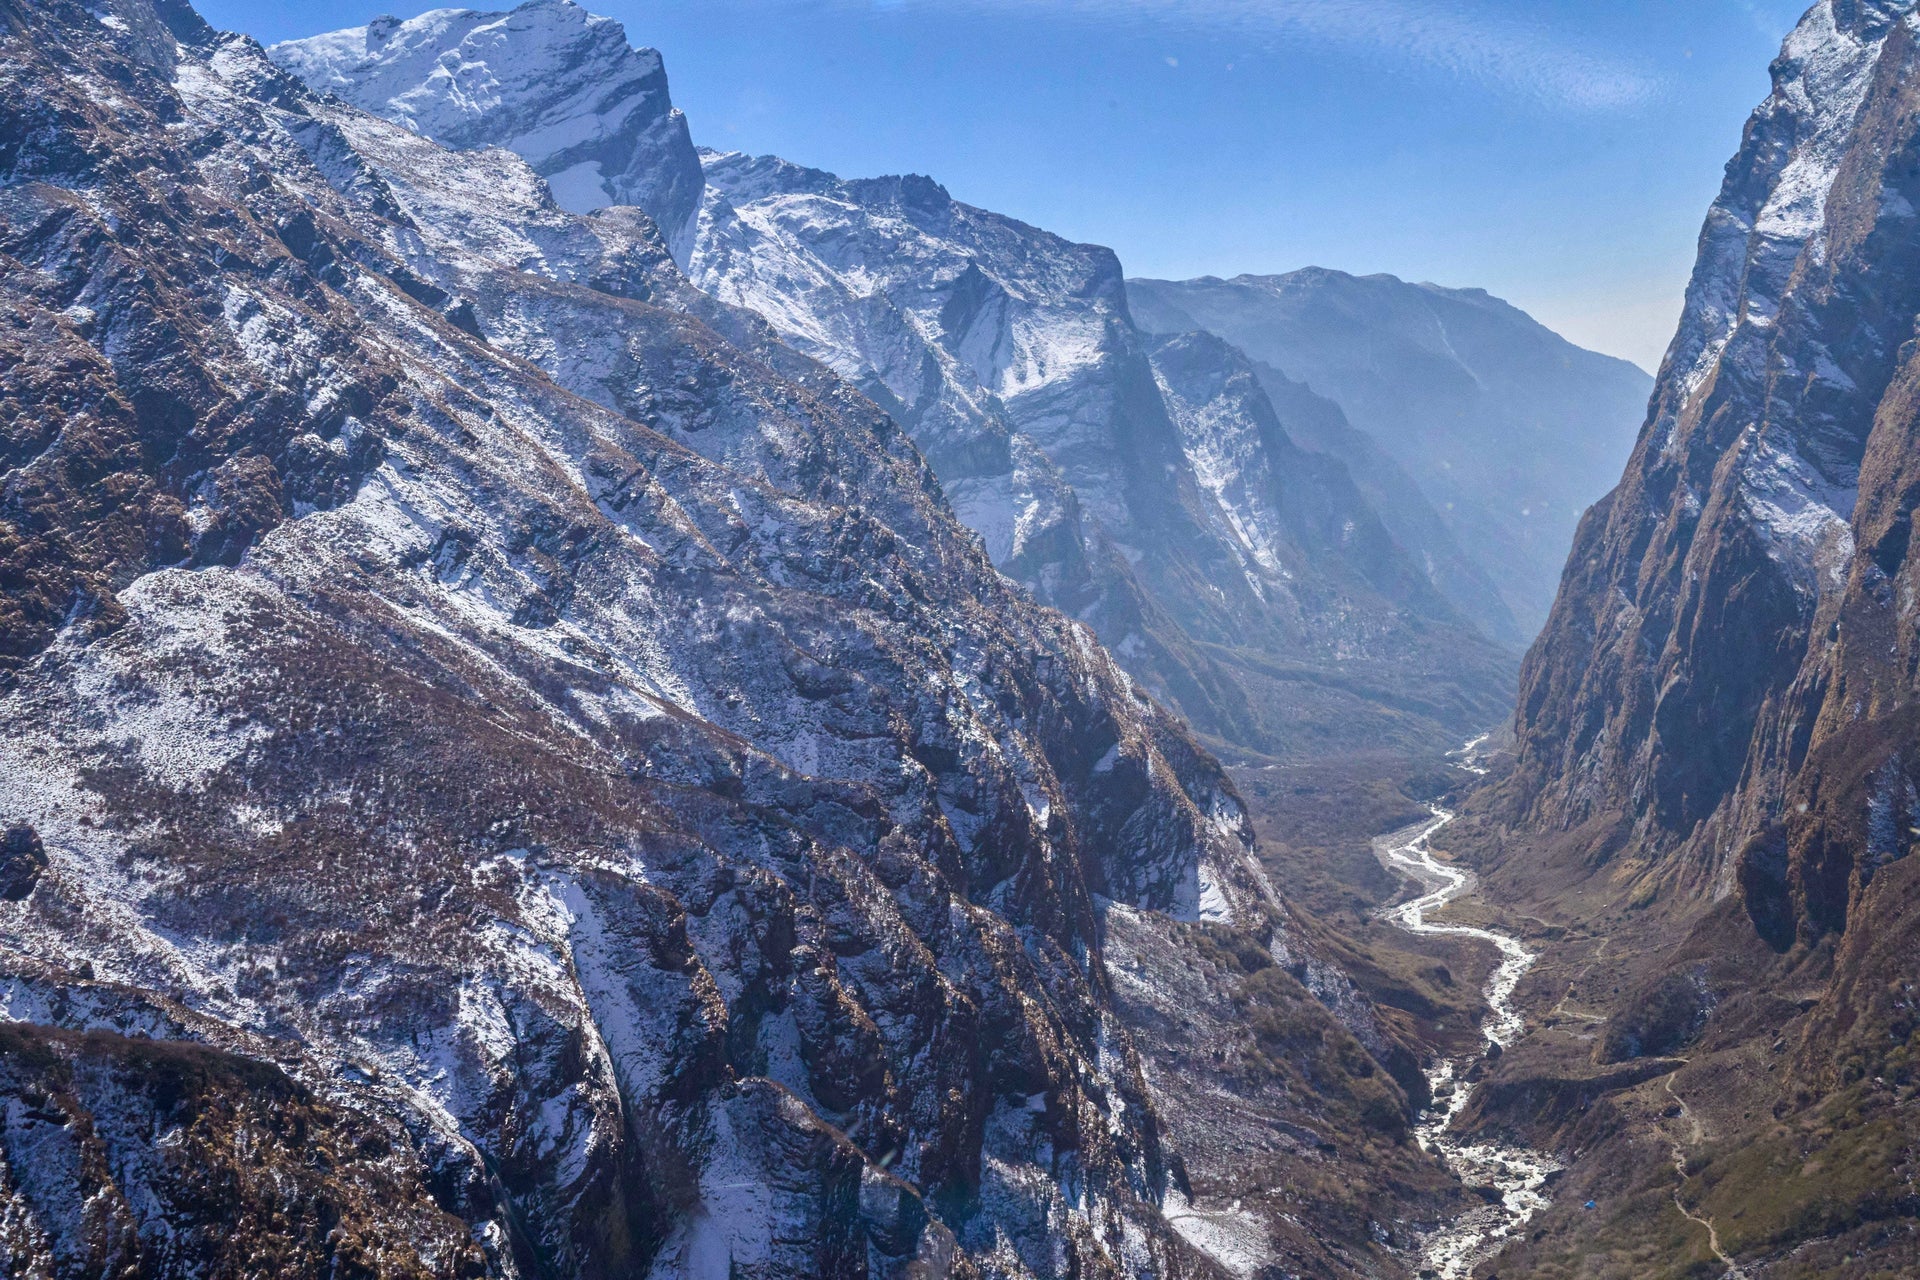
point(1732, 611)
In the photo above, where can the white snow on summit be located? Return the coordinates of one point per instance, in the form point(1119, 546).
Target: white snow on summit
point(557, 85)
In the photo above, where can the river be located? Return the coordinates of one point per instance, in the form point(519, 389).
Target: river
point(1517, 1174)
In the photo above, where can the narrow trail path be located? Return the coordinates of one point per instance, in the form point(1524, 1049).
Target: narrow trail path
point(1516, 1174)
point(1561, 1010)
point(1696, 1133)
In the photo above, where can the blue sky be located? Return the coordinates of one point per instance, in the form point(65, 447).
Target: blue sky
point(1560, 153)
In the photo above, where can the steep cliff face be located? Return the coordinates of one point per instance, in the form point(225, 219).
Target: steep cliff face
point(1718, 730)
point(529, 758)
point(1489, 433)
point(557, 85)
point(1345, 639)
point(1297, 514)
point(1214, 573)
point(1319, 424)
point(1726, 608)
point(1007, 353)
point(254, 1171)
point(1011, 358)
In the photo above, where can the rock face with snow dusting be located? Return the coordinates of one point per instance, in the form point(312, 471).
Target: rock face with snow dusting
point(555, 84)
point(1011, 357)
point(512, 770)
point(1479, 434)
point(1719, 727)
point(1736, 602)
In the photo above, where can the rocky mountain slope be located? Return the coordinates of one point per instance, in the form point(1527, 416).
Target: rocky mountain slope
point(1011, 357)
point(1507, 430)
point(512, 770)
point(1392, 491)
point(1718, 738)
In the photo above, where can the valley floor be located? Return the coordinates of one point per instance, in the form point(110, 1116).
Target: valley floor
point(1696, 1162)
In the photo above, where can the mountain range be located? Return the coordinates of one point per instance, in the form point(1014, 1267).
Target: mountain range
point(580, 706)
point(1287, 598)
point(512, 769)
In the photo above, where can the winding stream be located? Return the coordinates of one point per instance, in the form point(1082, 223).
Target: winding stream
point(1517, 1174)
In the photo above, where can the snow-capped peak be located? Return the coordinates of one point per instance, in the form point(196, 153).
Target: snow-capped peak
point(556, 84)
